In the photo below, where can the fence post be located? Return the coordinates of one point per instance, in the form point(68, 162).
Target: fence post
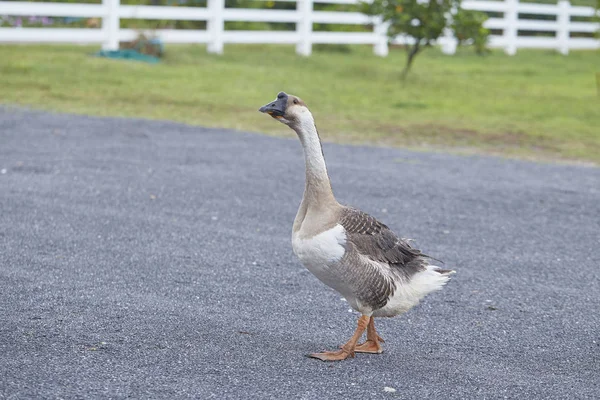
point(110, 24)
point(304, 27)
point(380, 30)
point(511, 18)
point(563, 19)
point(215, 26)
point(449, 42)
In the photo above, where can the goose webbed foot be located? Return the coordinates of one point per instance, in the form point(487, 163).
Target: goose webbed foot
point(339, 355)
point(347, 350)
point(371, 345)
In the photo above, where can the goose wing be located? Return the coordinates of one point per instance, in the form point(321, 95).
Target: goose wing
point(376, 241)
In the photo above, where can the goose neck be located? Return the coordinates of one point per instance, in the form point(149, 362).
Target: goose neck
point(318, 186)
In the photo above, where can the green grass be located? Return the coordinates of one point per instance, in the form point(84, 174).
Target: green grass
point(537, 104)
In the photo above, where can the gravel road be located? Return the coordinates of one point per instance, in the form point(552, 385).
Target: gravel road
point(151, 259)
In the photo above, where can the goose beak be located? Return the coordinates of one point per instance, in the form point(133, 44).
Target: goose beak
point(276, 109)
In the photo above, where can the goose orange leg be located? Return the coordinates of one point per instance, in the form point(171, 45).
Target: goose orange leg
point(371, 345)
point(347, 350)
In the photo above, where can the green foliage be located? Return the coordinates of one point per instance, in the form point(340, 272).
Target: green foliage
point(597, 17)
point(259, 26)
point(423, 21)
point(468, 26)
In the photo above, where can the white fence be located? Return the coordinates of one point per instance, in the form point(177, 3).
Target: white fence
point(304, 16)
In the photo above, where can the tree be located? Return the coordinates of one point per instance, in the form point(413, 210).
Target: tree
point(468, 25)
point(424, 21)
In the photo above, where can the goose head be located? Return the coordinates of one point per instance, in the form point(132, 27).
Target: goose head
point(288, 109)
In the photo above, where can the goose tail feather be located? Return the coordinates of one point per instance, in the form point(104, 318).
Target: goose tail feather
point(444, 271)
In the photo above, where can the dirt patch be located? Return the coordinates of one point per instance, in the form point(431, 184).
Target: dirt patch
point(458, 136)
point(439, 137)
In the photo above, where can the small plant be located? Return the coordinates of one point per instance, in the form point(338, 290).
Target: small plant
point(145, 45)
point(423, 21)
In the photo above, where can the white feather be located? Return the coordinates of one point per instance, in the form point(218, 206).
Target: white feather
point(409, 293)
point(318, 252)
point(326, 247)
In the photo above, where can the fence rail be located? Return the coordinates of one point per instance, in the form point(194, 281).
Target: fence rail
point(512, 24)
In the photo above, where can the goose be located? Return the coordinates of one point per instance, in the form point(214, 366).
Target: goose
point(378, 273)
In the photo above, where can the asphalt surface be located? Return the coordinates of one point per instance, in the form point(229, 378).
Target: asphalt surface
point(152, 259)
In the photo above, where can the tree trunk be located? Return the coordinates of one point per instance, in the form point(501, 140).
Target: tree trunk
point(411, 55)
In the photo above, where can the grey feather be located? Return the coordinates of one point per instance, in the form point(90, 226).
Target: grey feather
point(376, 241)
point(366, 236)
